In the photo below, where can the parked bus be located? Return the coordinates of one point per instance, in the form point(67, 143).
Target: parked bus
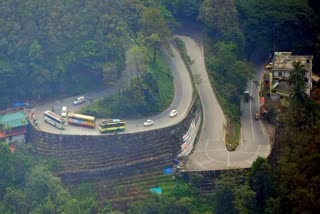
point(112, 125)
point(81, 120)
point(54, 119)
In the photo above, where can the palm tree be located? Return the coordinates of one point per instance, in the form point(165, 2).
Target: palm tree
point(297, 79)
point(304, 108)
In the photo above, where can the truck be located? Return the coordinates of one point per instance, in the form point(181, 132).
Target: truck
point(246, 95)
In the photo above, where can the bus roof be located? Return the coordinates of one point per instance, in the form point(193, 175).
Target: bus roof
point(53, 115)
point(81, 116)
point(111, 121)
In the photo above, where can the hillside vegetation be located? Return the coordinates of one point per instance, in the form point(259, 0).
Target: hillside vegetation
point(54, 48)
point(59, 47)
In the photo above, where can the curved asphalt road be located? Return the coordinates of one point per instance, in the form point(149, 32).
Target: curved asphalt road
point(210, 152)
point(182, 99)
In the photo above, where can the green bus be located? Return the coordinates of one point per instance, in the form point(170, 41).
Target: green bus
point(112, 125)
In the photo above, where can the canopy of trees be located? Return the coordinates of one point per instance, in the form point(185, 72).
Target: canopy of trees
point(62, 47)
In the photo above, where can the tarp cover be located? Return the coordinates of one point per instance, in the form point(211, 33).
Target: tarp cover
point(156, 190)
point(167, 171)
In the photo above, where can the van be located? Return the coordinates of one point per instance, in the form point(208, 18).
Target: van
point(78, 100)
point(64, 111)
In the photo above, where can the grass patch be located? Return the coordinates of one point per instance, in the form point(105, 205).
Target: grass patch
point(164, 80)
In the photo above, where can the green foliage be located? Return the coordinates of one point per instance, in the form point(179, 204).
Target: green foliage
point(154, 29)
point(229, 77)
point(45, 45)
point(276, 23)
point(232, 193)
point(226, 27)
point(150, 92)
point(177, 197)
point(183, 9)
point(86, 196)
point(261, 181)
point(298, 170)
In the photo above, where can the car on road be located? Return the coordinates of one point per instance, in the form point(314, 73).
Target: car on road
point(64, 111)
point(78, 100)
point(173, 113)
point(257, 116)
point(148, 123)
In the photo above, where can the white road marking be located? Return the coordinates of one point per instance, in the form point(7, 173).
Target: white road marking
point(253, 137)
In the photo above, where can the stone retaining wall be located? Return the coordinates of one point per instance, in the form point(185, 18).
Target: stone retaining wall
point(93, 158)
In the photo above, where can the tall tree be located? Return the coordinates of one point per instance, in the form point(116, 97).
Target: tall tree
point(261, 181)
point(154, 29)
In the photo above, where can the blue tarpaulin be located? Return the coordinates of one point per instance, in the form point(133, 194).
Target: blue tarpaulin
point(167, 171)
point(156, 190)
point(176, 161)
point(18, 104)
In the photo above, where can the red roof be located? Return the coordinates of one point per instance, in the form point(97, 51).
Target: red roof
point(13, 132)
point(262, 101)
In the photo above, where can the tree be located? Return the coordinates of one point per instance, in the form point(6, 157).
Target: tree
point(261, 181)
point(109, 73)
point(44, 192)
point(154, 41)
point(276, 22)
point(154, 29)
point(213, 14)
point(245, 201)
point(6, 168)
point(297, 79)
point(273, 206)
point(13, 201)
point(138, 53)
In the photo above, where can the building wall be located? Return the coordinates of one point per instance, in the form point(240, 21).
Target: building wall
point(17, 139)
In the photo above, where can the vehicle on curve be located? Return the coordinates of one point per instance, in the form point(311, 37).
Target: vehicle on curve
point(78, 100)
point(173, 113)
point(54, 119)
point(246, 96)
point(111, 125)
point(64, 111)
point(81, 120)
point(257, 116)
point(148, 123)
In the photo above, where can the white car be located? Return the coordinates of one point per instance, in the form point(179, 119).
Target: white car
point(173, 113)
point(78, 100)
point(148, 123)
point(64, 111)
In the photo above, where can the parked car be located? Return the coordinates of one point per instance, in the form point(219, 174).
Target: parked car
point(64, 111)
point(257, 116)
point(148, 123)
point(78, 100)
point(173, 113)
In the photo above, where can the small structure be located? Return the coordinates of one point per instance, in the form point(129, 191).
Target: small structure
point(13, 127)
point(263, 108)
point(282, 66)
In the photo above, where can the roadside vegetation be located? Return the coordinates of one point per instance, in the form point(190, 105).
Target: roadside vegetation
point(251, 27)
point(151, 91)
point(80, 47)
point(55, 48)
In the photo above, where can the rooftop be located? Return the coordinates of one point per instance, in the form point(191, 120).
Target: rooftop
point(284, 60)
point(13, 120)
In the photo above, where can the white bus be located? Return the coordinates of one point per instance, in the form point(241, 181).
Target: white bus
point(54, 119)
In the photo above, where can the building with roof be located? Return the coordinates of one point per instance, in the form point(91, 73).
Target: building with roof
point(282, 65)
point(13, 127)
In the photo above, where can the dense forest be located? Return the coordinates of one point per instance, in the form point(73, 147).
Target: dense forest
point(50, 48)
point(69, 47)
